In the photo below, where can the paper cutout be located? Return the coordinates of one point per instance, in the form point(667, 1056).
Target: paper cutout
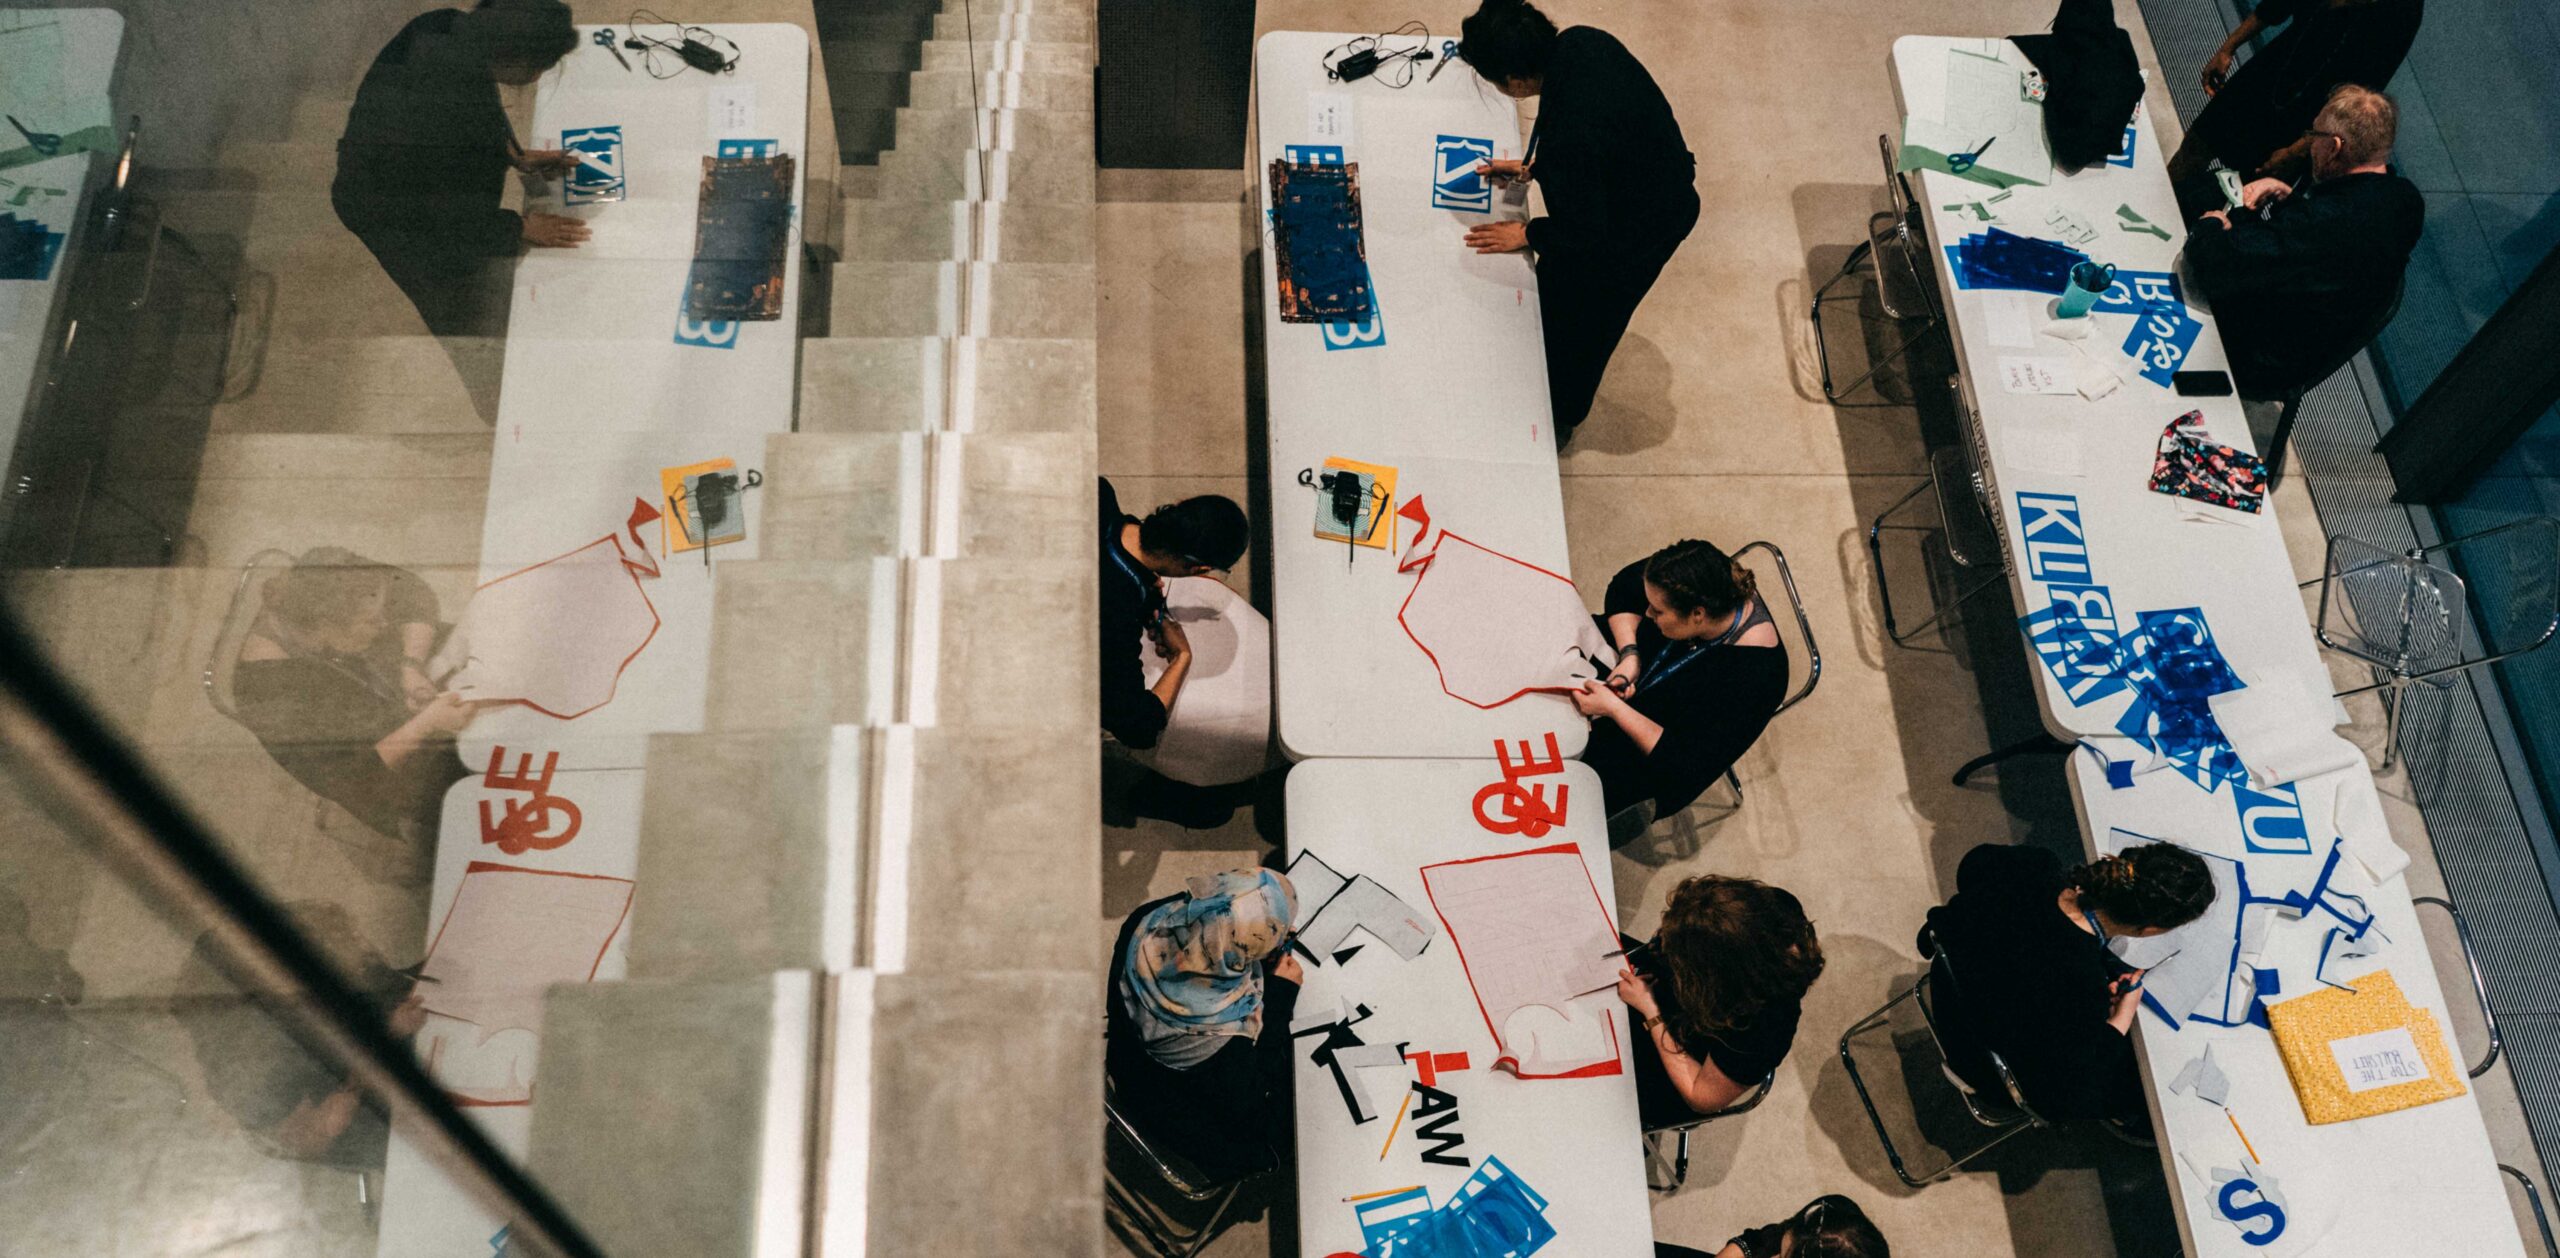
point(1347, 1061)
point(1428, 1067)
point(1532, 931)
point(1344, 954)
point(1366, 904)
point(1385, 1217)
point(1440, 1132)
point(1497, 628)
point(557, 636)
point(1494, 1212)
point(1218, 731)
point(527, 824)
point(2356, 814)
point(1316, 882)
point(509, 934)
point(2249, 1200)
point(2202, 1077)
point(1421, 517)
point(1524, 809)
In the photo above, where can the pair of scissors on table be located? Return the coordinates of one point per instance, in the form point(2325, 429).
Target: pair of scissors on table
point(1959, 163)
point(604, 40)
point(1448, 53)
point(43, 142)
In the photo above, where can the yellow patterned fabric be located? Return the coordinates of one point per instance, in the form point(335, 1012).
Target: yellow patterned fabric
point(2350, 1052)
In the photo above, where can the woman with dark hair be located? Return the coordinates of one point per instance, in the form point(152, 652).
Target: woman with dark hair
point(1700, 671)
point(332, 680)
point(1829, 1226)
point(423, 163)
point(2034, 981)
point(1716, 994)
point(1619, 184)
point(1190, 538)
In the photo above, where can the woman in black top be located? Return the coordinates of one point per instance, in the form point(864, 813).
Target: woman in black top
point(2256, 122)
point(1700, 671)
point(423, 163)
point(1190, 538)
point(1716, 995)
point(2034, 982)
point(1619, 183)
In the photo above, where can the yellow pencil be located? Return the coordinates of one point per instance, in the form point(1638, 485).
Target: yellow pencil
point(2226, 1115)
point(1384, 1192)
point(1399, 1125)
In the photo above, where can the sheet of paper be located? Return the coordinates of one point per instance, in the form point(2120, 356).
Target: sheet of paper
point(1531, 930)
point(731, 111)
point(2381, 1059)
point(554, 637)
point(2281, 731)
point(2036, 373)
point(512, 932)
point(2355, 814)
point(1329, 118)
point(1366, 904)
point(1496, 628)
point(1316, 883)
point(2204, 1078)
point(2010, 319)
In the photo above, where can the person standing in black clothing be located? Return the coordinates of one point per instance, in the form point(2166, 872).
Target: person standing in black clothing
point(2300, 272)
point(1700, 671)
point(2034, 981)
point(1619, 183)
point(1190, 538)
point(2254, 123)
point(1715, 995)
point(423, 163)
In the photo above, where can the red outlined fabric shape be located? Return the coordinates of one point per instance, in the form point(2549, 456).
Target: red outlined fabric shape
point(1534, 936)
point(1497, 628)
point(557, 636)
point(510, 933)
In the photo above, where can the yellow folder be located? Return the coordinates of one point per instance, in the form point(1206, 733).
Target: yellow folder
point(2354, 1054)
point(1375, 526)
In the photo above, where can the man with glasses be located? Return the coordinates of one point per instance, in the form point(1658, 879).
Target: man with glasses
point(2299, 275)
point(2253, 125)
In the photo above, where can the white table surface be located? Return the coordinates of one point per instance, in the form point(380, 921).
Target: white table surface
point(2418, 1181)
point(92, 41)
point(598, 397)
point(1576, 1141)
point(1455, 398)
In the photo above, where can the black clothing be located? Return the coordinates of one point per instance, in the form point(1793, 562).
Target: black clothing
point(1210, 1112)
point(2093, 81)
point(2033, 986)
point(2296, 293)
point(1621, 194)
point(1746, 1054)
point(1711, 707)
point(422, 170)
point(2272, 98)
point(320, 714)
point(1132, 601)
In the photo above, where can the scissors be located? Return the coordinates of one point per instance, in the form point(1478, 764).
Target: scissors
point(604, 40)
point(44, 142)
point(1448, 53)
point(1959, 163)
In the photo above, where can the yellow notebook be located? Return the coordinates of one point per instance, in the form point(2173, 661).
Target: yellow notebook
point(2365, 1052)
point(1371, 522)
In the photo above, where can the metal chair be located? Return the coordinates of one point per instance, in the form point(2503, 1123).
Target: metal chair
point(1966, 526)
point(118, 205)
point(1898, 232)
point(2290, 402)
point(1744, 1104)
point(2532, 1197)
point(2479, 987)
point(1178, 1175)
point(2008, 1119)
point(248, 602)
point(2407, 613)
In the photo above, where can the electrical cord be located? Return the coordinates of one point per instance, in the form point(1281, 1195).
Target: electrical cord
point(689, 47)
point(1367, 55)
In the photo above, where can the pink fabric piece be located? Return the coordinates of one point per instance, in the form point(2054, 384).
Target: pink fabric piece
point(1497, 628)
point(555, 637)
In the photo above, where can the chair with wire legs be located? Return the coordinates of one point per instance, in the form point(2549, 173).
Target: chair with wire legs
point(1967, 531)
point(2533, 1198)
point(2007, 1115)
point(1743, 1104)
point(2408, 614)
point(1897, 246)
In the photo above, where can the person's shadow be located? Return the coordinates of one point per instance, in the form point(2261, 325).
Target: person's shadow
point(1633, 410)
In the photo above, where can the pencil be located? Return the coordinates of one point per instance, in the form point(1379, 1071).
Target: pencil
point(1384, 1192)
point(1399, 1125)
point(2226, 1114)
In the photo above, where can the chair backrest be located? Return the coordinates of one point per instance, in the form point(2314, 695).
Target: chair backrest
point(1804, 654)
point(1912, 238)
point(248, 600)
point(1955, 1044)
point(2390, 608)
point(2513, 573)
point(2365, 335)
point(1178, 1172)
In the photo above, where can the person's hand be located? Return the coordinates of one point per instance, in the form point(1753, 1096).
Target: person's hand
point(546, 161)
point(2124, 1000)
point(1500, 171)
point(2217, 71)
point(415, 687)
point(1595, 699)
point(1507, 236)
point(1171, 642)
point(2219, 216)
point(408, 1016)
point(446, 713)
point(1637, 991)
point(1622, 676)
point(554, 231)
point(1288, 969)
point(2258, 194)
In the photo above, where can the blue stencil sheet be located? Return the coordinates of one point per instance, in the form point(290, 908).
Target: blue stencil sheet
point(1317, 244)
point(2173, 667)
point(2001, 259)
point(1494, 1214)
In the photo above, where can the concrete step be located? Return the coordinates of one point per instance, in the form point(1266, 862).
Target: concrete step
point(806, 643)
point(1012, 54)
point(369, 384)
point(842, 53)
point(737, 875)
point(415, 500)
point(844, 498)
point(1000, 89)
point(925, 231)
point(908, 384)
point(960, 175)
point(1059, 132)
point(847, 498)
point(1039, 26)
point(1005, 299)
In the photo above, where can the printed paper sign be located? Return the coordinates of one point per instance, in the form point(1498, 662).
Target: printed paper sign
point(2381, 1059)
point(2160, 340)
point(730, 110)
point(597, 178)
point(1329, 117)
point(2137, 291)
point(1455, 185)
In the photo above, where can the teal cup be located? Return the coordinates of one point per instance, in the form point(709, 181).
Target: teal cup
point(2089, 281)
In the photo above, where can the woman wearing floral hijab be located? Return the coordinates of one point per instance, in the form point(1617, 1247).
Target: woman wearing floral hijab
point(1201, 994)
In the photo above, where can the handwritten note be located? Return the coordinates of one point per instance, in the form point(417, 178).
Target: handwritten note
point(2024, 373)
point(2381, 1059)
point(730, 110)
point(1329, 118)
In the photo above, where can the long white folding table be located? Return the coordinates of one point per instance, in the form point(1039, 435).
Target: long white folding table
point(1576, 1142)
point(606, 383)
point(84, 46)
point(2067, 482)
point(1447, 385)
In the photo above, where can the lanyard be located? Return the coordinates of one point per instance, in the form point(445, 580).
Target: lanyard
point(1659, 672)
point(2104, 938)
point(1146, 589)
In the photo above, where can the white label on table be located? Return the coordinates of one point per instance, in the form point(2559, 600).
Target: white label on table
point(2008, 321)
point(1329, 118)
point(2381, 1059)
point(2022, 373)
point(730, 110)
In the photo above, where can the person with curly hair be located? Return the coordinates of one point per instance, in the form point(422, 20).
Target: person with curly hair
point(1829, 1226)
point(1700, 671)
point(1715, 994)
point(2034, 980)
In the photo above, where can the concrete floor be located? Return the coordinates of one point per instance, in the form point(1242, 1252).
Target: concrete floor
point(1710, 425)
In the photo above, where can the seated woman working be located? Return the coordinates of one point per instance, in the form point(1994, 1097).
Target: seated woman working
point(1829, 1226)
point(332, 679)
point(2034, 981)
point(1198, 1021)
point(1716, 994)
point(1700, 671)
